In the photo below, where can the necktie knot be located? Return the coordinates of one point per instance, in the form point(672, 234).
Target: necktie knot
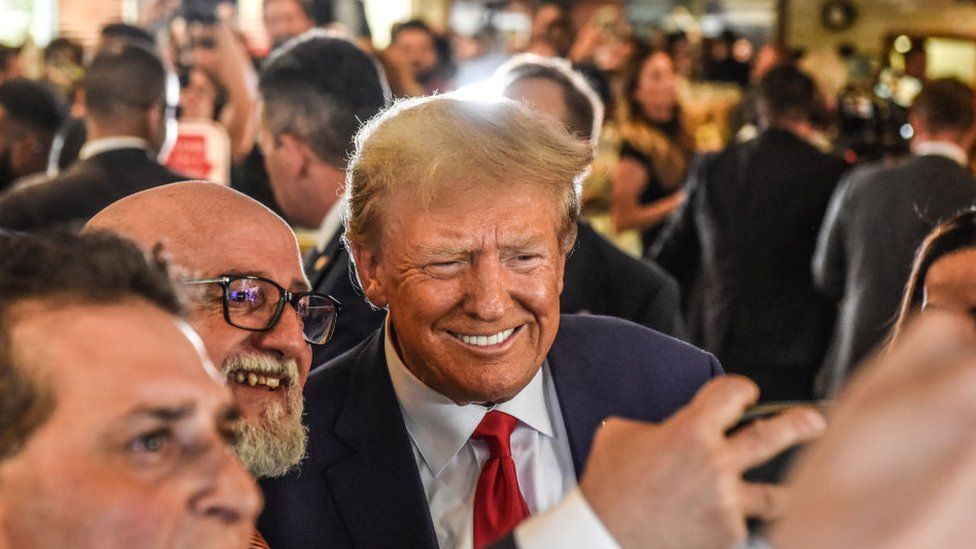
point(496, 430)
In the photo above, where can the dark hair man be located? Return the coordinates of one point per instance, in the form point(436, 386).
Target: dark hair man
point(129, 99)
point(879, 216)
point(600, 278)
point(30, 114)
point(113, 425)
point(315, 92)
point(742, 244)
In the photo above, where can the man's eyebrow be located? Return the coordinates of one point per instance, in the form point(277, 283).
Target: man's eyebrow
point(168, 414)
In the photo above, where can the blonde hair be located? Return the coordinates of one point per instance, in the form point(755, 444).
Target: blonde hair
point(422, 144)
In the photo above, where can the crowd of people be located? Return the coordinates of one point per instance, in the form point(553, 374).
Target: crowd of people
point(412, 316)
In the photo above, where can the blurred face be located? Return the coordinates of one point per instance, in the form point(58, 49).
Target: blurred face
point(656, 90)
point(198, 97)
point(136, 451)
point(417, 48)
point(472, 282)
point(541, 94)
point(265, 370)
point(284, 19)
point(951, 282)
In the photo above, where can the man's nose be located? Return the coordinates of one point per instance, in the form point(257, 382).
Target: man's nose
point(487, 291)
point(285, 339)
point(233, 496)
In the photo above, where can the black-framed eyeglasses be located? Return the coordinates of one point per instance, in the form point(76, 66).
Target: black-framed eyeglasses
point(255, 303)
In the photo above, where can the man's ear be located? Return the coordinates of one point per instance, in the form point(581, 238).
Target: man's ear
point(369, 270)
point(296, 153)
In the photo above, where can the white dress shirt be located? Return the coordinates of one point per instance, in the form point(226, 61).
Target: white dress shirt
point(944, 149)
point(450, 462)
point(330, 226)
point(105, 144)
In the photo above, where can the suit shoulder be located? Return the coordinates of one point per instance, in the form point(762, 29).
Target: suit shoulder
point(614, 341)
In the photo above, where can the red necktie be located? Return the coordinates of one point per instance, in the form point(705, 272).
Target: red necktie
point(498, 503)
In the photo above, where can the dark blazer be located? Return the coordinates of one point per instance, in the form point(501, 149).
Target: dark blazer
point(878, 217)
point(600, 279)
point(742, 246)
point(84, 189)
point(359, 485)
point(329, 271)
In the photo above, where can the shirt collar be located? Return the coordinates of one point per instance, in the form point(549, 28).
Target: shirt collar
point(941, 148)
point(330, 226)
point(438, 427)
point(105, 144)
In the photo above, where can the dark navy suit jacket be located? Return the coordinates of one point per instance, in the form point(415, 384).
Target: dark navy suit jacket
point(359, 485)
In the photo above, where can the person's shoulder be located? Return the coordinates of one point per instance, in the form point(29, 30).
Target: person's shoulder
point(611, 340)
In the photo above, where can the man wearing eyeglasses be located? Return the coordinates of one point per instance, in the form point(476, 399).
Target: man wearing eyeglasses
point(249, 302)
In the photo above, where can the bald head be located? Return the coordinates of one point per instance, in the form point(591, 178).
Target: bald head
point(201, 225)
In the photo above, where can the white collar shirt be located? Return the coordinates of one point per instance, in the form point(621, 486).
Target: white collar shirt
point(450, 463)
point(105, 144)
point(944, 149)
point(329, 227)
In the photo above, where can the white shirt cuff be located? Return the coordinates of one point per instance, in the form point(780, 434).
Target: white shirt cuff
point(571, 523)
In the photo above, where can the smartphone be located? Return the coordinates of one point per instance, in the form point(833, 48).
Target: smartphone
point(775, 469)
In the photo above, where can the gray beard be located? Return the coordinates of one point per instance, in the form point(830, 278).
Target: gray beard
point(274, 445)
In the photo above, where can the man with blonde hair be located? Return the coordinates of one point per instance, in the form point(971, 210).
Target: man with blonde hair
point(476, 403)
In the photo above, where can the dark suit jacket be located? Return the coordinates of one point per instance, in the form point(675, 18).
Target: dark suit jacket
point(878, 217)
point(84, 189)
point(359, 485)
point(600, 279)
point(329, 271)
point(744, 241)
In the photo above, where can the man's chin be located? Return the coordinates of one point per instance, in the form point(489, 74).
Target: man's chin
point(254, 402)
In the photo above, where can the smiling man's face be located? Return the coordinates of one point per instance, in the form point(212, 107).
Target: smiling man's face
point(472, 282)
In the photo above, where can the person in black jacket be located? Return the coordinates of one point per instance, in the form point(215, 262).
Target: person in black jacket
point(128, 110)
point(744, 240)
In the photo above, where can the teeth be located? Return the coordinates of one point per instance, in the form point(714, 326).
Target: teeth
point(254, 379)
point(484, 341)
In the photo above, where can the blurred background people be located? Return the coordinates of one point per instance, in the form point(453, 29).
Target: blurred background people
point(129, 106)
point(31, 112)
point(881, 213)
point(286, 19)
point(743, 242)
point(655, 150)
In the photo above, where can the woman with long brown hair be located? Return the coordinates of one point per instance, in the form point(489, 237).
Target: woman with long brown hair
point(655, 147)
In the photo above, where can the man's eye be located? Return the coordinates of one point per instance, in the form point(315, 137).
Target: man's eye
point(151, 443)
point(445, 268)
point(250, 297)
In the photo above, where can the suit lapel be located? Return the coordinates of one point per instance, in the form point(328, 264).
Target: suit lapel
point(377, 489)
point(319, 263)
